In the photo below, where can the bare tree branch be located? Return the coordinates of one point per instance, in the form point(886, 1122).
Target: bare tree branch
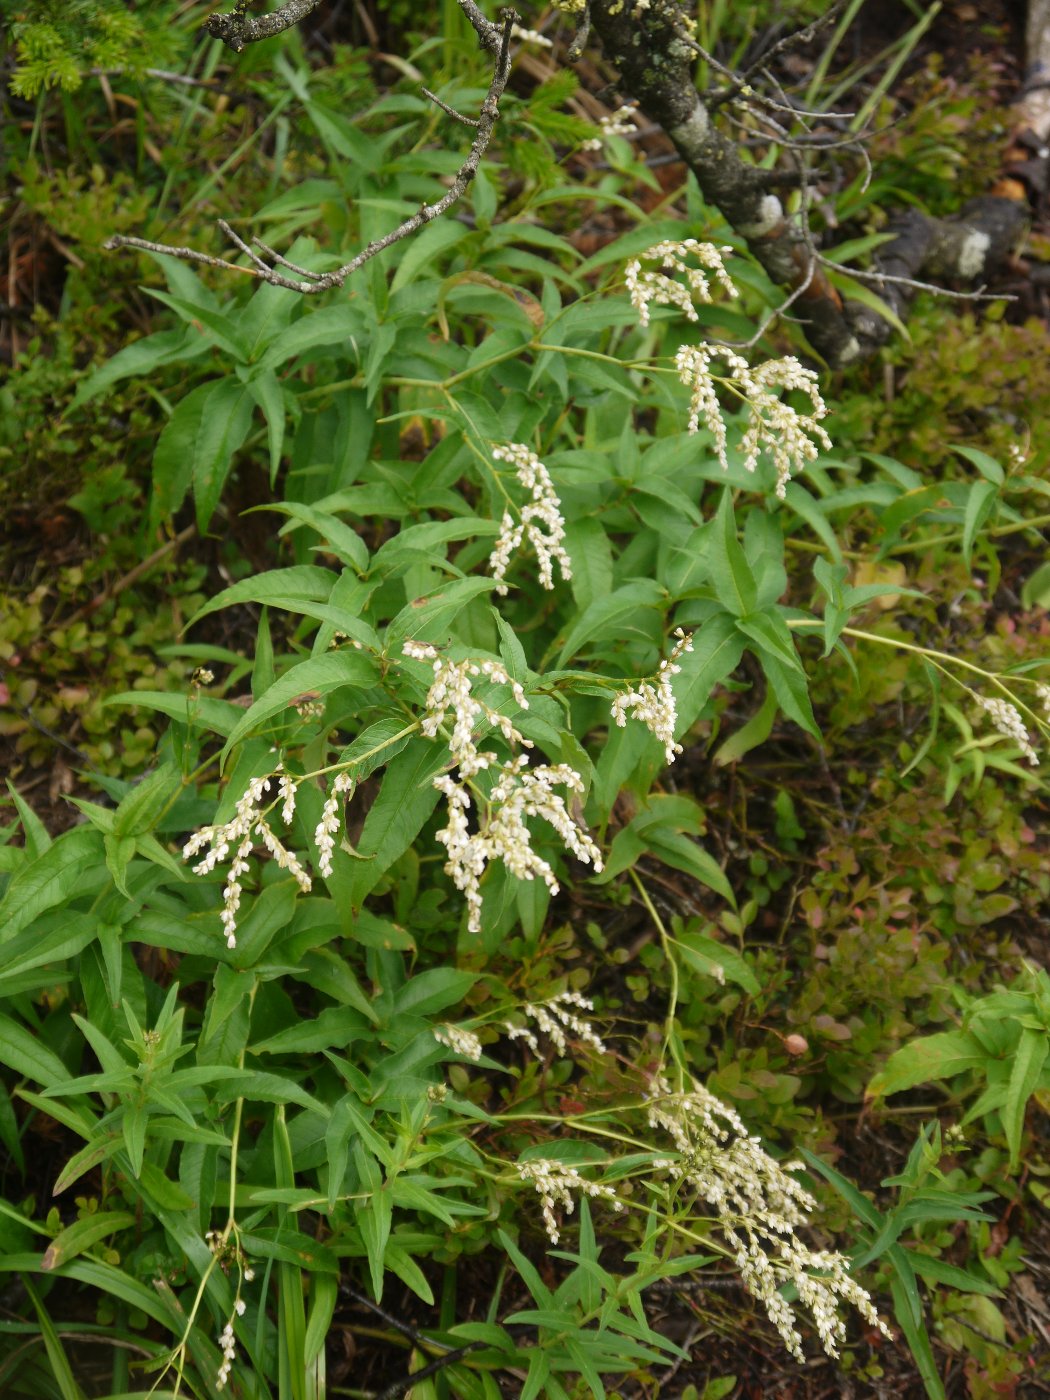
point(495, 38)
point(654, 54)
point(236, 29)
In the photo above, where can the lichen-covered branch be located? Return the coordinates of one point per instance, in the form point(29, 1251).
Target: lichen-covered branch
point(237, 29)
point(493, 37)
point(652, 50)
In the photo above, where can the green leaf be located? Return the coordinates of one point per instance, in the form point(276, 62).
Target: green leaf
point(87, 1159)
point(142, 357)
point(58, 1361)
point(791, 689)
point(987, 466)
point(343, 540)
point(279, 588)
point(373, 1217)
point(329, 325)
point(321, 674)
point(267, 396)
point(707, 954)
point(49, 880)
point(905, 1296)
point(756, 731)
point(83, 1234)
point(331, 1029)
point(196, 447)
point(682, 853)
point(202, 711)
point(717, 649)
point(938, 1271)
point(324, 1294)
point(1028, 1061)
point(592, 566)
point(37, 839)
point(431, 617)
point(405, 801)
point(980, 502)
point(427, 246)
point(433, 990)
point(207, 321)
point(147, 801)
point(930, 1057)
point(615, 614)
point(857, 291)
point(731, 575)
point(26, 1054)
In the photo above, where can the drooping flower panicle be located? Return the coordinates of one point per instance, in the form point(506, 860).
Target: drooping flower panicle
point(647, 287)
point(789, 437)
point(519, 791)
point(1006, 717)
point(760, 1207)
point(247, 827)
point(541, 525)
point(654, 705)
point(555, 1183)
point(557, 1021)
point(459, 1040)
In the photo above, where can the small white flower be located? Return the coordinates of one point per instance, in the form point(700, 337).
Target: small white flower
point(648, 288)
point(530, 36)
point(655, 705)
point(554, 1183)
point(325, 833)
point(790, 438)
point(1007, 719)
point(760, 1207)
point(619, 123)
point(457, 1038)
point(553, 1018)
point(502, 834)
point(541, 524)
point(452, 690)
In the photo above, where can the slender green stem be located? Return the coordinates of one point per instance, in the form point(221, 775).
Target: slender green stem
point(672, 963)
point(1015, 527)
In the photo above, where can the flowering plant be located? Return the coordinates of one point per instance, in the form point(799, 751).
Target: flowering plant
point(464, 729)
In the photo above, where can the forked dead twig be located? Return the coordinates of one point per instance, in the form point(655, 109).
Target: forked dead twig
point(494, 38)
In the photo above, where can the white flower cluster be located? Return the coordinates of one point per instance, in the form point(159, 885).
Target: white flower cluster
point(228, 1252)
point(646, 287)
point(655, 705)
point(1043, 692)
point(791, 438)
point(554, 1183)
point(247, 827)
point(502, 833)
point(1007, 719)
point(760, 1207)
point(542, 523)
point(553, 1019)
point(519, 791)
point(618, 123)
point(452, 689)
point(462, 1041)
point(530, 36)
point(325, 832)
point(228, 1346)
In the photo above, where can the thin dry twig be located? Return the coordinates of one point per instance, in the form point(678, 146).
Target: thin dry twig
point(236, 29)
point(494, 38)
